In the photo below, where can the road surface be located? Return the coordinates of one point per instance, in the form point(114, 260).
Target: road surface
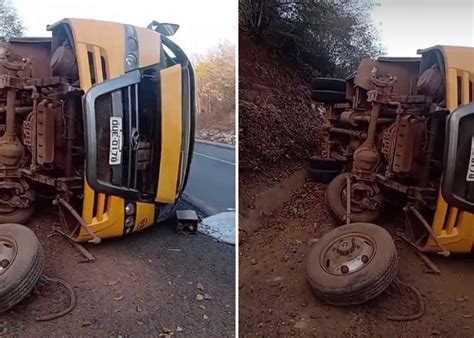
point(143, 285)
point(211, 183)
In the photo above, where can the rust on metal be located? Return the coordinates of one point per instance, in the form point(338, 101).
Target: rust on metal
point(389, 135)
point(95, 239)
point(38, 135)
point(423, 221)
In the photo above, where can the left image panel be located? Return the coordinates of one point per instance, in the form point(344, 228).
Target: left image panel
point(117, 168)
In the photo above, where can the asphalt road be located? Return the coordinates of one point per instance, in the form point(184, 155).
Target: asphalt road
point(142, 285)
point(211, 183)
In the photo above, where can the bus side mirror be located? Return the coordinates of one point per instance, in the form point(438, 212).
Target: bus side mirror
point(458, 177)
point(167, 29)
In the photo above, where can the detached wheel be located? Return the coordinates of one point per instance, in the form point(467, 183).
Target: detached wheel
point(352, 264)
point(12, 215)
point(21, 264)
point(326, 83)
point(336, 201)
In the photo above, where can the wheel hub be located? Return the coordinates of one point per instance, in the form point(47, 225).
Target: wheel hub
point(8, 251)
point(345, 247)
point(348, 254)
point(363, 197)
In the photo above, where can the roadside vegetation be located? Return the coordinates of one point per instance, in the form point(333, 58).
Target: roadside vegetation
point(215, 76)
point(10, 23)
point(327, 36)
point(282, 47)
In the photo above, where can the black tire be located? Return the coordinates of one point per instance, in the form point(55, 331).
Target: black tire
point(322, 176)
point(328, 96)
point(24, 272)
point(18, 216)
point(362, 285)
point(324, 163)
point(167, 214)
point(326, 83)
point(337, 207)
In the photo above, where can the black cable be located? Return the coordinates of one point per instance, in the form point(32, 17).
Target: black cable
point(72, 300)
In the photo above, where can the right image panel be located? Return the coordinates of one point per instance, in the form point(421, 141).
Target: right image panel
point(356, 168)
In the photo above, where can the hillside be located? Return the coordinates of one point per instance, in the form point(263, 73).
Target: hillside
point(278, 124)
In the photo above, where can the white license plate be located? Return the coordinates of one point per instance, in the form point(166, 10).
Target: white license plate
point(470, 166)
point(115, 154)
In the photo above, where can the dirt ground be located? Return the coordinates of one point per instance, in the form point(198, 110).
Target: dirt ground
point(275, 299)
point(142, 285)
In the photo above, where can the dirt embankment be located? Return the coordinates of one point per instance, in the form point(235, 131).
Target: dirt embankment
point(278, 127)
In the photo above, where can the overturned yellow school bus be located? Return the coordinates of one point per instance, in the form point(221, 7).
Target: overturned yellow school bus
point(100, 119)
point(402, 129)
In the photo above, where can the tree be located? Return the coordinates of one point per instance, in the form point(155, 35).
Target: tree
point(329, 36)
point(215, 75)
point(10, 23)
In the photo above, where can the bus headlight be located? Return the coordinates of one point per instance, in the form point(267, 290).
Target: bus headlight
point(130, 221)
point(130, 209)
point(131, 45)
point(131, 62)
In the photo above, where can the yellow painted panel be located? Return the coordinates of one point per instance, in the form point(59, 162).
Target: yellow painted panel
point(459, 240)
point(83, 66)
point(441, 209)
point(145, 216)
point(109, 36)
point(97, 65)
point(100, 206)
point(455, 57)
point(88, 202)
point(444, 213)
point(148, 47)
point(459, 57)
point(108, 39)
point(459, 235)
point(85, 81)
point(452, 89)
point(465, 87)
point(112, 224)
point(171, 133)
point(452, 217)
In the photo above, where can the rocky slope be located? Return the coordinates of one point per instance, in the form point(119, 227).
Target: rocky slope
point(278, 123)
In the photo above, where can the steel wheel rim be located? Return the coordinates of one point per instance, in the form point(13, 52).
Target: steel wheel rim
point(5, 210)
point(355, 207)
point(348, 254)
point(8, 253)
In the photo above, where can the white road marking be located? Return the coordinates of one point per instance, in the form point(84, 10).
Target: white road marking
point(214, 158)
